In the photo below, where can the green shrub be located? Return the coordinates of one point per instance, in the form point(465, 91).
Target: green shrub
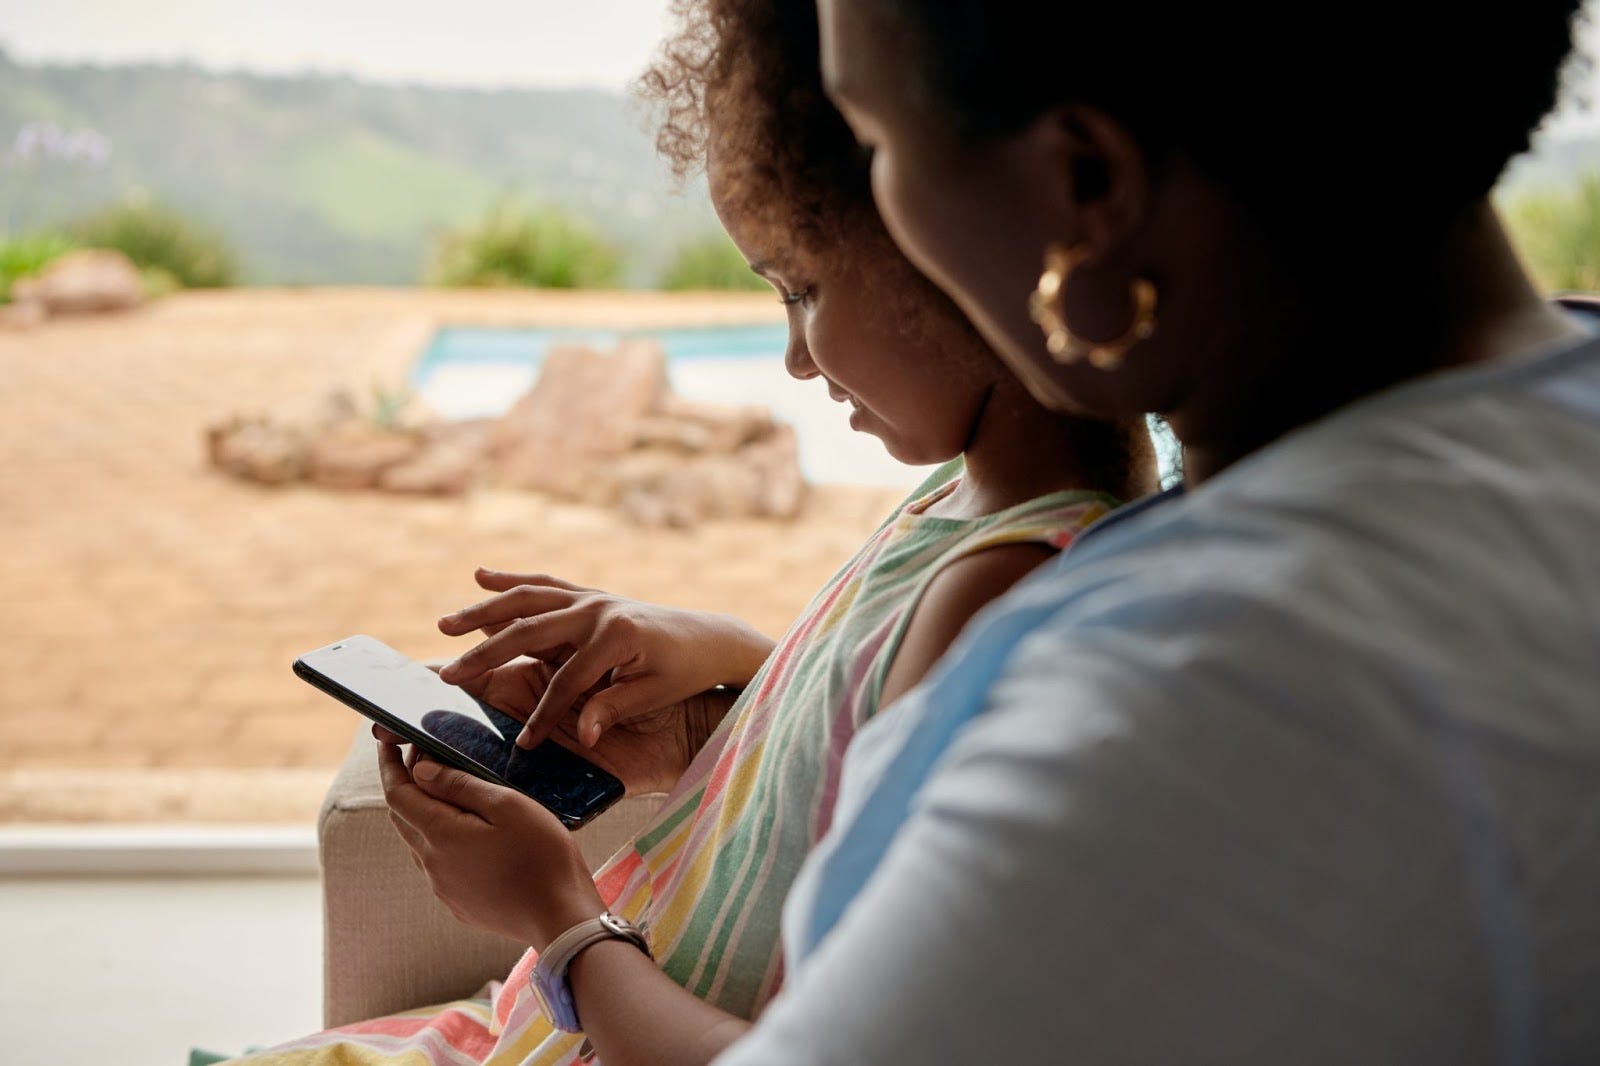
point(159, 239)
point(710, 263)
point(513, 247)
point(28, 254)
point(1558, 236)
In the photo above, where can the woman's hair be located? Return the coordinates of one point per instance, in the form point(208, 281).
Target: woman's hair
point(1404, 112)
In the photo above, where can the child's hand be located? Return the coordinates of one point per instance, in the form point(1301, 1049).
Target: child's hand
point(496, 858)
point(650, 752)
point(647, 752)
point(631, 658)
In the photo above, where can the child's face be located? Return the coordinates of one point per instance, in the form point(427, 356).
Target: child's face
point(914, 376)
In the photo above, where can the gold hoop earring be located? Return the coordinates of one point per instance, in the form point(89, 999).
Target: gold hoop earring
point(1045, 307)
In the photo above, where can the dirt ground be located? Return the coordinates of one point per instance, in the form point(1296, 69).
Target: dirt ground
point(149, 607)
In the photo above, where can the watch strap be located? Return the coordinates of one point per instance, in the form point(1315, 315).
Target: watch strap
point(564, 948)
point(550, 971)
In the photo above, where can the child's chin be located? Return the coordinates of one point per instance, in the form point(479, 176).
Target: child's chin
point(908, 454)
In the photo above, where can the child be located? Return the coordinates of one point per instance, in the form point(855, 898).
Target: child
point(751, 788)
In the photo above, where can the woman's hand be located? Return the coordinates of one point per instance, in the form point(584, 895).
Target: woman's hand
point(647, 752)
point(496, 858)
point(630, 658)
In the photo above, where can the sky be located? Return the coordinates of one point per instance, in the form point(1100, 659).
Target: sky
point(599, 43)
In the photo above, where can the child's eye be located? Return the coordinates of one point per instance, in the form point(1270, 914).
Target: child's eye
point(799, 296)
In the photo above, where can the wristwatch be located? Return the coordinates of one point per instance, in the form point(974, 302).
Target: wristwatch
point(549, 975)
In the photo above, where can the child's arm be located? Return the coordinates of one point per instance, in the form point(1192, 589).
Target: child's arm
point(955, 594)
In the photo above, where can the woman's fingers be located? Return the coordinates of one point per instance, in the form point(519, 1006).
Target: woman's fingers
point(547, 636)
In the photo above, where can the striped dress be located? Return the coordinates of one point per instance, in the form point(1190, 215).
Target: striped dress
point(707, 879)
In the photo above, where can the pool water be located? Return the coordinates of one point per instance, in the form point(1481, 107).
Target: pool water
point(479, 372)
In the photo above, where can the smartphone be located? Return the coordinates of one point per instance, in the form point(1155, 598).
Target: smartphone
point(407, 698)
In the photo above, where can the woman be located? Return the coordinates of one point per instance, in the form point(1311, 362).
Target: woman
point(1300, 764)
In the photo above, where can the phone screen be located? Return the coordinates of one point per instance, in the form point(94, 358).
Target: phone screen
point(411, 700)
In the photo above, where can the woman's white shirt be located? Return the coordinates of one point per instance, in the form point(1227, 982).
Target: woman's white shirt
point(1300, 767)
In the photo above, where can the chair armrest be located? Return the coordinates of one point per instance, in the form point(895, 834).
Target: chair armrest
point(388, 944)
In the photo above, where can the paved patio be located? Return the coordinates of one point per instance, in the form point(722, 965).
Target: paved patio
point(149, 607)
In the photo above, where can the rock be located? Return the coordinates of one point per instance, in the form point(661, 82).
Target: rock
point(436, 472)
point(27, 291)
point(449, 462)
point(25, 311)
point(658, 431)
point(257, 449)
point(664, 488)
point(472, 433)
point(331, 410)
point(775, 459)
point(356, 455)
point(655, 508)
point(599, 428)
point(642, 468)
point(726, 486)
point(585, 408)
point(721, 427)
point(90, 279)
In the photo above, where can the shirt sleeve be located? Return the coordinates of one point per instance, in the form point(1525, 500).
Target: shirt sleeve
point(1143, 852)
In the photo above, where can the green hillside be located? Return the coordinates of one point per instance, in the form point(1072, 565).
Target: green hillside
point(320, 179)
point(323, 179)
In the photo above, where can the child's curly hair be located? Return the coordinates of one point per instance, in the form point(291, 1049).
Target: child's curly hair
point(786, 158)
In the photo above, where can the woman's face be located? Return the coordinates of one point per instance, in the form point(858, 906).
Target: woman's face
point(918, 386)
point(977, 220)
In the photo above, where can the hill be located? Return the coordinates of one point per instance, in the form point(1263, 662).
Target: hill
point(327, 179)
point(319, 179)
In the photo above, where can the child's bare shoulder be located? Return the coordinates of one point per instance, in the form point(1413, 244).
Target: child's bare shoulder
point(960, 589)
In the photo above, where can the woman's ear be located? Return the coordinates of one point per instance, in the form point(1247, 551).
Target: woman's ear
point(1101, 176)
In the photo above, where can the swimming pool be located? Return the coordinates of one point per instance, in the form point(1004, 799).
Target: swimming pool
point(479, 372)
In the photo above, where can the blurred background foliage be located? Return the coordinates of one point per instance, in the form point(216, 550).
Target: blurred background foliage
point(512, 246)
point(26, 255)
point(173, 251)
point(712, 262)
point(1558, 235)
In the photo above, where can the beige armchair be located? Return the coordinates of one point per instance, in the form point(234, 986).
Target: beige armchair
point(388, 944)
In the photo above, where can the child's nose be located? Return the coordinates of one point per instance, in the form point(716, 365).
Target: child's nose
point(797, 357)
